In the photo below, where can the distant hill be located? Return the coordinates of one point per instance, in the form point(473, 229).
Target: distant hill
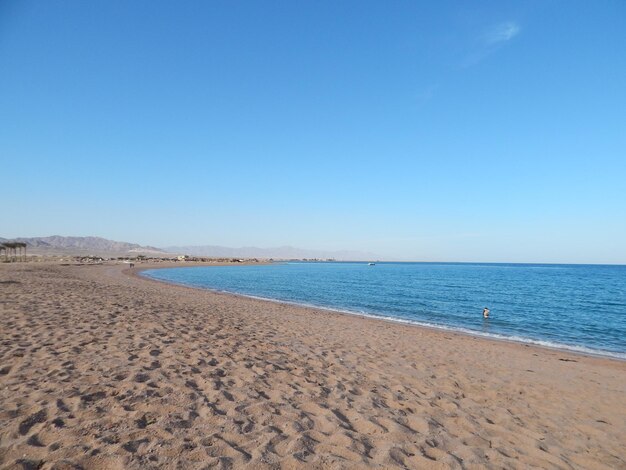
point(57, 244)
point(283, 252)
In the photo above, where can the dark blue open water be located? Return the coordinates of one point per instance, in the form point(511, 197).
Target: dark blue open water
point(579, 307)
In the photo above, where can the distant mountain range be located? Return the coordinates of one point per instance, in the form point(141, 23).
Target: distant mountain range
point(83, 246)
point(58, 245)
point(282, 252)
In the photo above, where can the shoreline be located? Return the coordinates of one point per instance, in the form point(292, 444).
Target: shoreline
point(528, 342)
point(102, 368)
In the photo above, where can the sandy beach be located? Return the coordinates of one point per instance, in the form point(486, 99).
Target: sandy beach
point(102, 369)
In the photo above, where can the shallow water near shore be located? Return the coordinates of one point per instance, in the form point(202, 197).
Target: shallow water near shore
point(577, 307)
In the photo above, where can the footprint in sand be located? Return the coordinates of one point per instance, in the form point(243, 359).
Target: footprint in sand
point(93, 397)
point(33, 419)
point(34, 441)
point(141, 377)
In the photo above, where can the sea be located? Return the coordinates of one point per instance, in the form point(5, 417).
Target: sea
point(575, 307)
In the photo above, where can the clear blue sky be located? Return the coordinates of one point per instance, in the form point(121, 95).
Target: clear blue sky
point(486, 131)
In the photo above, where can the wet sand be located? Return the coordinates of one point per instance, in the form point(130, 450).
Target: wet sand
point(101, 369)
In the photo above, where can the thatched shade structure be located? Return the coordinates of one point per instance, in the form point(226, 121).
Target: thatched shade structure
point(11, 251)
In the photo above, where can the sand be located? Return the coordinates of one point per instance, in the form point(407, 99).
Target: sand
point(101, 369)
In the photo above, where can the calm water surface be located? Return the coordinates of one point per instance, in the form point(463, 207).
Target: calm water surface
point(579, 307)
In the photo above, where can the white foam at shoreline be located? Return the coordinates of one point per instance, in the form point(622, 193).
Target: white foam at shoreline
point(467, 331)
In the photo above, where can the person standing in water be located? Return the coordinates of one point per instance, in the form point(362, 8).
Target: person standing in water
point(485, 312)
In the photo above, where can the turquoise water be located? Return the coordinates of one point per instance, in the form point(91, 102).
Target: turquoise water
point(578, 307)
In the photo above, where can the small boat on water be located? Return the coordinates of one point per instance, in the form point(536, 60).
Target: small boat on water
point(371, 264)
